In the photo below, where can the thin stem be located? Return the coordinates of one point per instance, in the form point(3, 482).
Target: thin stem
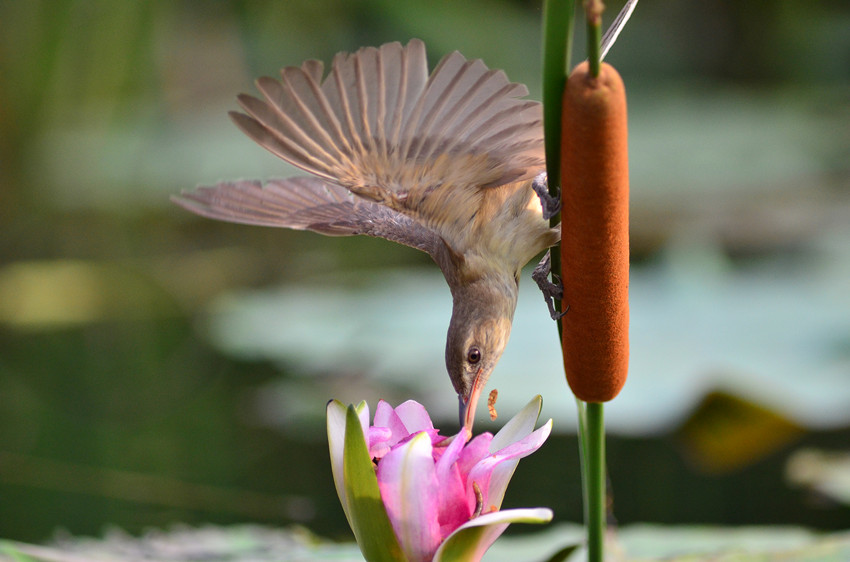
point(558, 20)
point(581, 407)
point(595, 500)
point(593, 10)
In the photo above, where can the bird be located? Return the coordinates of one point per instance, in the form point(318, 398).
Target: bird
point(446, 162)
point(450, 162)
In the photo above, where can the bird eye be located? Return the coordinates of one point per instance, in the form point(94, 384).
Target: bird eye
point(473, 355)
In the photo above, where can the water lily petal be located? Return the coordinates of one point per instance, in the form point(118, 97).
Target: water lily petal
point(452, 452)
point(454, 506)
point(408, 482)
point(472, 539)
point(385, 416)
point(336, 442)
point(500, 477)
point(362, 410)
point(379, 441)
point(474, 451)
point(518, 426)
point(366, 513)
point(414, 416)
point(493, 473)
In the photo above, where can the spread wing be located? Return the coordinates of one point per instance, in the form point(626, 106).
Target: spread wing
point(306, 203)
point(380, 126)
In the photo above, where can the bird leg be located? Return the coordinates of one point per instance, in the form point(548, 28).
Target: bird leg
point(552, 290)
point(551, 203)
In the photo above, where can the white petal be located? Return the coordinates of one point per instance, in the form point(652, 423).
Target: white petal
point(362, 410)
point(518, 426)
point(336, 441)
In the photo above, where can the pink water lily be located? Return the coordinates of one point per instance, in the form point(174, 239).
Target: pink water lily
point(413, 495)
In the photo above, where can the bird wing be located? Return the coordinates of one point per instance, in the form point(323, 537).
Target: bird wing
point(379, 125)
point(306, 203)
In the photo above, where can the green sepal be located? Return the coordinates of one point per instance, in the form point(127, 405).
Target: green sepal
point(472, 539)
point(367, 516)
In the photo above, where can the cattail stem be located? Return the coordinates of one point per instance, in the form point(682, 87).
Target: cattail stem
point(596, 497)
point(581, 408)
point(593, 12)
point(594, 251)
point(558, 21)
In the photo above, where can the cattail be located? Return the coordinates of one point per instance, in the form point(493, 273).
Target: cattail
point(595, 233)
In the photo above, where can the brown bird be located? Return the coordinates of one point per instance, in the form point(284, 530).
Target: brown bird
point(443, 163)
point(449, 163)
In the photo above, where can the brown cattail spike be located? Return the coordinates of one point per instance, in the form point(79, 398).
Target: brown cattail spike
point(595, 234)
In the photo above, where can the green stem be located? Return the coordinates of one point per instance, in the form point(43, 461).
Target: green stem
point(593, 10)
point(595, 498)
point(558, 19)
point(582, 452)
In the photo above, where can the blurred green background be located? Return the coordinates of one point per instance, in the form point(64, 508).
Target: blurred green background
point(148, 374)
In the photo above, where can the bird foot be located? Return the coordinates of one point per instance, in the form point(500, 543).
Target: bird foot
point(551, 203)
point(552, 290)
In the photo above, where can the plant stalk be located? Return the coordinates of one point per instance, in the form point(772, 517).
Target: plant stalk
point(595, 496)
point(593, 11)
point(558, 21)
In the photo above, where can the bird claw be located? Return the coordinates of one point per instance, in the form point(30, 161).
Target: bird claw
point(552, 290)
point(551, 203)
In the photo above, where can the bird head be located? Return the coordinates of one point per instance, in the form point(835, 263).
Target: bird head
point(478, 333)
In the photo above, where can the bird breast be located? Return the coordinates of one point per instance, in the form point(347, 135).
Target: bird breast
point(509, 229)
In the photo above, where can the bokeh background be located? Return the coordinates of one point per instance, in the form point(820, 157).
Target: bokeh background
point(158, 368)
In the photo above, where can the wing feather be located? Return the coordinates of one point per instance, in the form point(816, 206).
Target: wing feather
point(306, 203)
point(382, 127)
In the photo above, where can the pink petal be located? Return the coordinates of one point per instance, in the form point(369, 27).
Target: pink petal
point(474, 451)
point(414, 416)
point(493, 482)
point(379, 438)
point(454, 506)
point(385, 416)
point(409, 489)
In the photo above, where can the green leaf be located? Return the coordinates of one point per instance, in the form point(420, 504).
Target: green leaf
point(558, 20)
point(367, 516)
point(472, 539)
point(558, 17)
point(563, 553)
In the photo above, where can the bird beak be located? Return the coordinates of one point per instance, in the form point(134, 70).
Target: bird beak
point(467, 405)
